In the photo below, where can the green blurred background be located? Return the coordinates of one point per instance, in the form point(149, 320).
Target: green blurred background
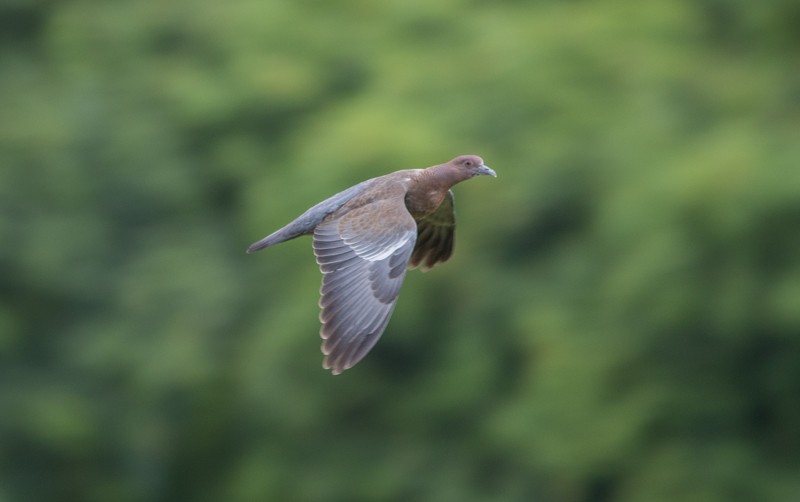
point(620, 321)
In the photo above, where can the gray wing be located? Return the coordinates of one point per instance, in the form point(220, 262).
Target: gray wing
point(435, 236)
point(363, 257)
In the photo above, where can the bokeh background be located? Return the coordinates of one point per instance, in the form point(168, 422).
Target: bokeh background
point(620, 321)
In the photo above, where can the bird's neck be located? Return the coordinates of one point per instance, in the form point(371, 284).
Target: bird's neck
point(431, 188)
point(444, 176)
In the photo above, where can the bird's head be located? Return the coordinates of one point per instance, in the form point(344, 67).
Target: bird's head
point(472, 165)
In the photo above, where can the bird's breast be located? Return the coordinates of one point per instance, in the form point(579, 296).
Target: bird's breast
point(421, 203)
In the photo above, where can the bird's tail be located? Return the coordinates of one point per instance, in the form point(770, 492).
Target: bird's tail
point(276, 237)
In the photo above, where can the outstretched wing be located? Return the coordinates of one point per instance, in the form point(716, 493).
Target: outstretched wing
point(435, 236)
point(363, 256)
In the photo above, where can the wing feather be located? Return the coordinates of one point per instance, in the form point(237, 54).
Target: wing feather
point(435, 236)
point(363, 255)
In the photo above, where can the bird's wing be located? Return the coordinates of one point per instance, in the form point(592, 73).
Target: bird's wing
point(435, 236)
point(363, 256)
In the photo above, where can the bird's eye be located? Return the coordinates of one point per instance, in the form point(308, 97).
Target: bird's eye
point(468, 163)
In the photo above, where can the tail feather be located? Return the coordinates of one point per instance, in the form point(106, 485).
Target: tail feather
point(274, 238)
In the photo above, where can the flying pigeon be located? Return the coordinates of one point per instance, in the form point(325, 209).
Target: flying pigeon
point(365, 238)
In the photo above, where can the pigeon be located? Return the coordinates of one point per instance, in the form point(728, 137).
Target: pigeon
point(364, 240)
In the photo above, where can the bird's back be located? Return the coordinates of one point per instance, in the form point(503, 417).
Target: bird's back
point(306, 222)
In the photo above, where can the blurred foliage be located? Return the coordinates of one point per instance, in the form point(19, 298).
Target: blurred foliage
point(621, 319)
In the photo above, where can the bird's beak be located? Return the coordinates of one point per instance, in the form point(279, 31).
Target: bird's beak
point(483, 169)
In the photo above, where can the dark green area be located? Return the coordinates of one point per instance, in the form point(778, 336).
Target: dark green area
point(620, 321)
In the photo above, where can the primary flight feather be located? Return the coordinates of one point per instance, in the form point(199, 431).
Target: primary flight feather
point(365, 238)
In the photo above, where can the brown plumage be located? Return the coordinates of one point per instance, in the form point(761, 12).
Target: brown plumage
point(365, 238)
